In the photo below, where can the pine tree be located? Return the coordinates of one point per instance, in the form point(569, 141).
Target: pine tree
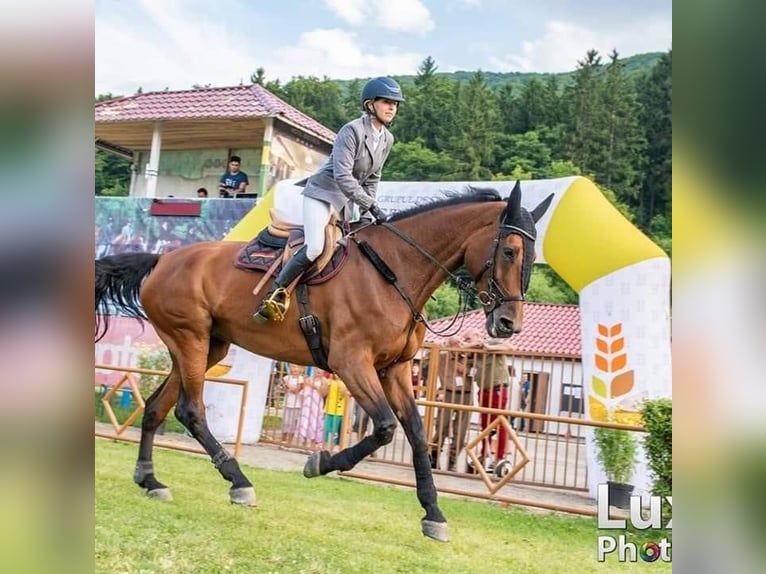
point(655, 96)
point(624, 157)
point(473, 137)
point(585, 129)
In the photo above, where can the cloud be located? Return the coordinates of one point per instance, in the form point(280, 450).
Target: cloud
point(564, 43)
point(337, 54)
point(159, 45)
point(404, 16)
point(395, 15)
point(352, 11)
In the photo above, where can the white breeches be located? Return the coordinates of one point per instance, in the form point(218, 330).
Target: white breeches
point(316, 216)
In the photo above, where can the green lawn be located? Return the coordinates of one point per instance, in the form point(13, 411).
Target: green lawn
point(323, 525)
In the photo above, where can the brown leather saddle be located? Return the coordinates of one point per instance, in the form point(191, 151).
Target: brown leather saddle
point(275, 244)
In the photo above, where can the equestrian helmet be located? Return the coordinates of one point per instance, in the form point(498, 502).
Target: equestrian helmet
point(382, 88)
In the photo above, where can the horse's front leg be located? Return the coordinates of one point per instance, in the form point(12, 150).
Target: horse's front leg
point(365, 387)
point(398, 389)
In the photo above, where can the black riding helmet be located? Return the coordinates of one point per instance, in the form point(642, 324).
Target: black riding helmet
point(381, 88)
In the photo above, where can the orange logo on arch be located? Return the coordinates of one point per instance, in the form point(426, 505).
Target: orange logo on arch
point(613, 380)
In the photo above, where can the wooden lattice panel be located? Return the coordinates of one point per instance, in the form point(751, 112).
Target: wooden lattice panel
point(470, 450)
point(135, 391)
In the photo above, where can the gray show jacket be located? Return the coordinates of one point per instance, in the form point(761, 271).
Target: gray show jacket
point(352, 172)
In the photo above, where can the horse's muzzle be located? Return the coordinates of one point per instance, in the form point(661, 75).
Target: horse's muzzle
point(501, 325)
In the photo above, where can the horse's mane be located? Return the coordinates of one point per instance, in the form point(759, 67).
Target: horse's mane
point(474, 195)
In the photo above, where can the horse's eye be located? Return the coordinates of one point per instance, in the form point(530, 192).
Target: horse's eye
point(509, 253)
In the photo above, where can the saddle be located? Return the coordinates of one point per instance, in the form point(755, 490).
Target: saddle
point(275, 244)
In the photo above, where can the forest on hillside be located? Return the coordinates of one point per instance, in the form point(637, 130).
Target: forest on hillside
point(605, 120)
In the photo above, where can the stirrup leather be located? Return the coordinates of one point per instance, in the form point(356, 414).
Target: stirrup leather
point(277, 304)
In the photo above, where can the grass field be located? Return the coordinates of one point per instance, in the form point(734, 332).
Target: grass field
point(325, 525)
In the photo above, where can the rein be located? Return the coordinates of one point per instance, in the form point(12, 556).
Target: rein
point(490, 299)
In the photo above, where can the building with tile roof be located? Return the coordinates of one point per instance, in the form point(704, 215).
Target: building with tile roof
point(547, 352)
point(181, 140)
point(549, 329)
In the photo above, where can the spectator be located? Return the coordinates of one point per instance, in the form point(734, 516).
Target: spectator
point(525, 388)
point(311, 423)
point(233, 181)
point(416, 381)
point(293, 384)
point(335, 407)
point(202, 193)
point(455, 388)
point(494, 381)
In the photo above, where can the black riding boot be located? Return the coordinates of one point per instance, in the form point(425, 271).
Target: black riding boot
point(275, 302)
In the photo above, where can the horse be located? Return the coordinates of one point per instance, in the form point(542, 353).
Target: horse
point(371, 317)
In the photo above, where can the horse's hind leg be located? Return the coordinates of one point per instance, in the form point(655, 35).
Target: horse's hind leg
point(157, 407)
point(398, 388)
point(190, 410)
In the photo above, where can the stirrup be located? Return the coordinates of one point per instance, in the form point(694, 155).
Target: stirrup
point(275, 306)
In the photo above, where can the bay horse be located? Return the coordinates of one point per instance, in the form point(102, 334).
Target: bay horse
point(199, 304)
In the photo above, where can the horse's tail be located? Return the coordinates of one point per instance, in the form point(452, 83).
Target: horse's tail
point(118, 283)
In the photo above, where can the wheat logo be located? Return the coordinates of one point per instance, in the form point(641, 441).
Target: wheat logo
point(613, 382)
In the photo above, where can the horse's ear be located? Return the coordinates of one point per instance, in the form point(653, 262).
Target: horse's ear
point(513, 209)
point(541, 208)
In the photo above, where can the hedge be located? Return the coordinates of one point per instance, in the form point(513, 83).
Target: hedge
point(657, 417)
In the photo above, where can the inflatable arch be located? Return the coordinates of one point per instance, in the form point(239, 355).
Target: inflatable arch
point(622, 277)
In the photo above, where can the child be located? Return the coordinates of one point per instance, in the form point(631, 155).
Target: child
point(312, 410)
point(293, 383)
point(335, 407)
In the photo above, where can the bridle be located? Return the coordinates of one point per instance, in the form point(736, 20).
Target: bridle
point(495, 295)
point(489, 299)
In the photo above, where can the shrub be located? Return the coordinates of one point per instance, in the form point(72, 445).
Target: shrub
point(657, 415)
point(616, 451)
point(156, 359)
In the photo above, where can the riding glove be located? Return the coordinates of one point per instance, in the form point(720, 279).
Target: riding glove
point(378, 214)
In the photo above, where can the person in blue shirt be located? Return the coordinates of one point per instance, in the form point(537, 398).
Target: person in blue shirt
point(234, 181)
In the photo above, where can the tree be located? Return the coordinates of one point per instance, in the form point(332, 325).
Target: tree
point(259, 76)
point(429, 111)
point(586, 132)
point(528, 154)
point(112, 174)
point(444, 302)
point(352, 104)
point(622, 168)
point(655, 97)
point(412, 161)
point(472, 140)
point(320, 99)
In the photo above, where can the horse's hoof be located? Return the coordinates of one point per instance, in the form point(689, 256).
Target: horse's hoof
point(436, 530)
point(160, 494)
point(244, 495)
point(313, 466)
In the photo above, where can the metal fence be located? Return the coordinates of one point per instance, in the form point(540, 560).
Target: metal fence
point(542, 421)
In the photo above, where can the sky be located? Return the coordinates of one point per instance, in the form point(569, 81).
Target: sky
point(175, 44)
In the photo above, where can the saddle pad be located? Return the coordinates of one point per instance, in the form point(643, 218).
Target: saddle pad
point(260, 253)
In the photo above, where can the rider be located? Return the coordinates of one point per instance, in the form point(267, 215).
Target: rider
point(349, 176)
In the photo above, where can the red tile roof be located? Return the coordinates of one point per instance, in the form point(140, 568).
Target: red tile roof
point(548, 329)
point(207, 103)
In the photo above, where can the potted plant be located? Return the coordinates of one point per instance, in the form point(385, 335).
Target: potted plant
point(616, 451)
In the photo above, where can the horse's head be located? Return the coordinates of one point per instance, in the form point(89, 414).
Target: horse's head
point(504, 279)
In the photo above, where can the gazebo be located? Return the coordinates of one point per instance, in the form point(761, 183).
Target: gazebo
point(181, 140)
